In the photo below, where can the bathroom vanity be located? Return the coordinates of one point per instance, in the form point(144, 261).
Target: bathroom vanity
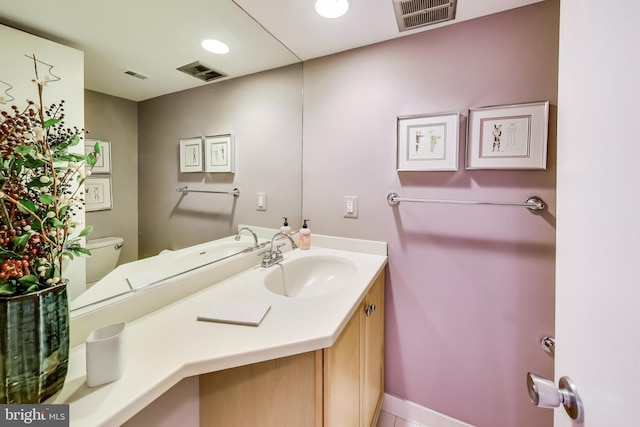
point(338, 386)
point(316, 359)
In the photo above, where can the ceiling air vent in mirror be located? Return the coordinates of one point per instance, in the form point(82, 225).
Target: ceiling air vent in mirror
point(136, 74)
point(419, 13)
point(200, 71)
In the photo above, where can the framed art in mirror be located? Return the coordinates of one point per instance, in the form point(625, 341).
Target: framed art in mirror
point(103, 163)
point(508, 137)
point(218, 153)
point(191, 154)
point(97, 193)
point(428, 142)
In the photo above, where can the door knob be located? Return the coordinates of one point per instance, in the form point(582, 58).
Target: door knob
point(544, 393)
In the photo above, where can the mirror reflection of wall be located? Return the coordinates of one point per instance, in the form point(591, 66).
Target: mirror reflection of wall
point(116, 120)
point(263, 112)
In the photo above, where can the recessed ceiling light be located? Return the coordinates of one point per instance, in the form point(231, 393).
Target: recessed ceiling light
point(214, 46)
point(332, 8)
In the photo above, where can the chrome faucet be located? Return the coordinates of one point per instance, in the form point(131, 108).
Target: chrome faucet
point(272, 256)
point(255, 238)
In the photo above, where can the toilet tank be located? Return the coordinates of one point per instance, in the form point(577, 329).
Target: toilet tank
point(104, 257)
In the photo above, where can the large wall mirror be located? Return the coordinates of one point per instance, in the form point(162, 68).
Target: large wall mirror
point(261, 111)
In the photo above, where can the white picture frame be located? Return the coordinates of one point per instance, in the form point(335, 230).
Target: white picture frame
point(97, 193)
point(191, 155)
point(103, 163)
point(428, 142)
point(508, 136)
point(219, 154)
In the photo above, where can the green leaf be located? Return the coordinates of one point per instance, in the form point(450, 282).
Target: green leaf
point(56, 223)
point(91, 160)
point(68, 254)
point(47, 199)
point(64, 157)
point(24, 149)
point(33, 163)
point(21, 241)
point(81, 251)
point(33, 288)
point(28, 279)
point(86, 231)
point(75, 157)
point(36, 183)
point(7, 289)
point(97, 148)
point(75, 139)
point(5, 254)
point(28, 204)
point(51, 122)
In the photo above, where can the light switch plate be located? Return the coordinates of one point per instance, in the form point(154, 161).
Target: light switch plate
point(261, 202)
point(350, 207)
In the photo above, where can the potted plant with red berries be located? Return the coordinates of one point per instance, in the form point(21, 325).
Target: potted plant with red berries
point(41, 191)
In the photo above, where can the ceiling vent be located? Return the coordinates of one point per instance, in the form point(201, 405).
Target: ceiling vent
point(419, 13)
point(200, 71)
point(136, 74)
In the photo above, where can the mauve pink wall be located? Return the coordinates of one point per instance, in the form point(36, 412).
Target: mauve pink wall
point(178, 406)
point(470, 289)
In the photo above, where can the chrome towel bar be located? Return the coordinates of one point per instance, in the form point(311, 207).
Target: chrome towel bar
point(185, 190)
point(532, 203)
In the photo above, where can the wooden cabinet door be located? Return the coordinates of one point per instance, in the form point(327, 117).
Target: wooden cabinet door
point(274, 393)
point(373, 357)
point(342, 378)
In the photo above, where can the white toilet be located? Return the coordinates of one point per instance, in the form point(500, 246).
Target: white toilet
point(104, 257)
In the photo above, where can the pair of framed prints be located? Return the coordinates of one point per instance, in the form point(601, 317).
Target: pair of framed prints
point(97, 186)
point(207, 154)
point(502, 137)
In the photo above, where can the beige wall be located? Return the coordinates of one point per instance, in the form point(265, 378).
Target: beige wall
point(113, 119)
point(263, 112)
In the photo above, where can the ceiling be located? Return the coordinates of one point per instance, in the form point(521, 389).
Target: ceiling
point(152, 39)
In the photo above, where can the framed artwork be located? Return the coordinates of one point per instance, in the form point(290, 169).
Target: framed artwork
point(97, 193)
point(103, 164)
point(218, 153)
point(191, 154)
point(508, 137)
point(428, 142)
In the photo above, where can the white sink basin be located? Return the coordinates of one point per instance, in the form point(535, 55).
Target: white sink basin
point(209, 253)
point(310, 276)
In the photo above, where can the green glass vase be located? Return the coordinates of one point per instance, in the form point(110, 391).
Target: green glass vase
point(34, 345)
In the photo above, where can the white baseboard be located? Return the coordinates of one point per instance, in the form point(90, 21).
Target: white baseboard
point(418, 414)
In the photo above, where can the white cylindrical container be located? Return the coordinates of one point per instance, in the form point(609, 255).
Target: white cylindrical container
point(105, 354)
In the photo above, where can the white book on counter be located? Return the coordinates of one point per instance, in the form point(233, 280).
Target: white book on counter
point(248, 313)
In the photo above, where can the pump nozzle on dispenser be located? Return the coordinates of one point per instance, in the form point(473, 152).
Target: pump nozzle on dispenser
point(285, 227)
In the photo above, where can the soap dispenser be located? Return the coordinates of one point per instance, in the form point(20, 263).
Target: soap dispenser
point(285, 229)
point(304, 240)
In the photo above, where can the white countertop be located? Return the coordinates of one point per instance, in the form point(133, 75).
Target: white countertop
point(169, 344)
